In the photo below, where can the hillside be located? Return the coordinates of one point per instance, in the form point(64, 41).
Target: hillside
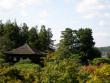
point(106, 49)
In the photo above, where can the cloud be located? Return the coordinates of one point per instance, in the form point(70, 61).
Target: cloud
point(102, 23)
point(88, 5)
point(14, 4)
point(26, 3)
point(100, 35)
point(96, 14)
point(67, 1)
point(102, 38)
point(90, 16)
point(20, 8)
point(24, 13)
point(43, 16)
point(93, 8)
point(7, 4)
point(85, 5)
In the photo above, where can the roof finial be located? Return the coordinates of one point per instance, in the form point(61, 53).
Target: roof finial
point(26, 42)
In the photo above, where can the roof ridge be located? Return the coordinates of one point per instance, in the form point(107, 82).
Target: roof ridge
point(30, 48)
point(24, 49)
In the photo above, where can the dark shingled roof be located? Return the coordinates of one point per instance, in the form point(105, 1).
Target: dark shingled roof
point(25, 49)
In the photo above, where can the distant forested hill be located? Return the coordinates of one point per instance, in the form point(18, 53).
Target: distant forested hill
point(106, 49)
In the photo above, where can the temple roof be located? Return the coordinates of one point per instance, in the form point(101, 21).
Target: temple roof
point(24, 49)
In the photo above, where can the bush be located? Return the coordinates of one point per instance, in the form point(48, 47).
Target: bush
point(30, 72)
point(101, 75)
point(20, 73)
point(60, 71)
point(10, 74)
point(98, 61)
point(2, 58)
point(23, 61)
point(2, 61)
point(85, 72)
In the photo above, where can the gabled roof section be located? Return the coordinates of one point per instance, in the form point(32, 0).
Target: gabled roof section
point(24, 49)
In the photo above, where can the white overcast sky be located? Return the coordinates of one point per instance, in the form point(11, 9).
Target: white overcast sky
point(60, 14)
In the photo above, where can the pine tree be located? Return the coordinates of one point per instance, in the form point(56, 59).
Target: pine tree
point(67, 43)
point(1, 29)
point(33, 38)
point(86, 44)
point(43, 38)
point(50, 42)
point(24, 33)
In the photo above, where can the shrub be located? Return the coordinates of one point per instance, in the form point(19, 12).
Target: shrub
point(101, 75)
point(20, 73)
point(60, 71)
point(2, 61)
point(2, 58)
point(98, 61)
point(10, 74)
point(30, 72)
point(23, 61)
point(85, 72)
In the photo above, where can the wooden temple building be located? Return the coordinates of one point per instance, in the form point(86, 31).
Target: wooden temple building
point(23, 52)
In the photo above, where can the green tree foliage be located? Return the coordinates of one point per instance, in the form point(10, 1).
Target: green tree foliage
point(20, 73)
point(108, 54)
point(45, 38)
point(67, 43)
point(33, 38)
point(12, 36)
point(98, 61)
point(1, 29)
point(100, 75)
point(8, 34)
point(85, 39)
point(63, 66)
point(24, 33)
point(61, 71)
point(93, 53)
point(85, 44)
point(6, 44)
point(50, 42)
point(78, 42)
point(16, 38)
point(85, 72)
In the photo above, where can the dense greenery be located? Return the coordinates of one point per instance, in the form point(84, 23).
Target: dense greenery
point(57, 71)
point(76, 60)
point(12, 36)
point(98, 61)
point(77, 42)
point(61, 71)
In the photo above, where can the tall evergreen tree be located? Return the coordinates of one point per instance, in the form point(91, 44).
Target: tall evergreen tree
point(16, 37)
point(33, 37)
point(86, 44)
point(67, 38)
point(50, 42)
point(43, 38)
point(77, 42)
point(1, 28)
point(7, 42)
point(67, 43)
point(24, 33)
